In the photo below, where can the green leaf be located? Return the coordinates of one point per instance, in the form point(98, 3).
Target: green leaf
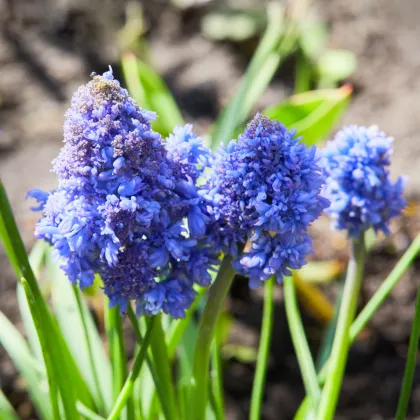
point(32, 372)
point(55, 381)
point(81, 335)
point(313, 114)
point(6, 410)
point(313, 37)
point(36, 260)
point(9, 235)
point(279, 40)
point(335, 65)
point(162, 366)
point(151, 92)
point(231, 24)
point(116, 348)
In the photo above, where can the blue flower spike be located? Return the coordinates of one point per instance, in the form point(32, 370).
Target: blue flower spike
point(128, 206)
point(265, 194)
point(356, 165)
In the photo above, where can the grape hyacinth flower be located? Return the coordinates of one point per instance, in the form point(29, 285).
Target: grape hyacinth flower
point(127, 205)
point(358, 183)
point(265, 193)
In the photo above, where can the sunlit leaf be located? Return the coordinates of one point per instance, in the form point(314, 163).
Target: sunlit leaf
point(313, 114)
point(336, 65)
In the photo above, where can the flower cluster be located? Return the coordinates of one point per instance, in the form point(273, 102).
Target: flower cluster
point(358, 183)
point(265, 193)
point(128, 206)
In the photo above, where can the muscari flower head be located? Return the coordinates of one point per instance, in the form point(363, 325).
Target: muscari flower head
point(265, 193)
point(127, 205)
point(357, 180)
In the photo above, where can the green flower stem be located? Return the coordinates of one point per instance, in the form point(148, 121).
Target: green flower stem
point(216, 298)
point(410, 366)
point(376, 301)
point(127, 389)
point(341, 344)
point(303, 353)
point(385, 289)
point(263, 350)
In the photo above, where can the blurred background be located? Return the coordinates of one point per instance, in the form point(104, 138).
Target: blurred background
point(201, 48)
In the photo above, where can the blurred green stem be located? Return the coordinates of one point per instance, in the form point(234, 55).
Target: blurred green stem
point(216, 298)
point(374, 303)
point(341, 344)
point(217, 374)
point(263, 350)
point(300, 342)
point(410, 364)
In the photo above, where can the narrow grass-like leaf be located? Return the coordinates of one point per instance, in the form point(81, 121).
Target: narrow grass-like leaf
point(151, 92)
point(31, 371)
point(159, 354)
point(9, 235)
point(81, 335)
point(117, 355)
point(36, 260)
point(313, 114)
point(411, 363)
point(54, 383)
point(149, 383)
point(278, 41)
point(87, 413)
point(6, 410)
point(128, 387)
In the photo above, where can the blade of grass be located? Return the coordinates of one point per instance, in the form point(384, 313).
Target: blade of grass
point(9, 235)
point(117, 355)
point(278, 40)
point(300, 343)
point(263, 350)
point(151, 92)
point(54, 383)
point(129, 383)
point(36, 260)
point(30, 369)
point(411, 362)
point(87, 413)
point(6, 410)
point(81, 335)
point(160, 357)
point(178, 326)
point(156, 380)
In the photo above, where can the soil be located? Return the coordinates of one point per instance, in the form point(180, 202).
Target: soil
point(49, 48)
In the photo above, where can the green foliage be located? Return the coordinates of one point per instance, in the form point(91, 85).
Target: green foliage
point(313, 114)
